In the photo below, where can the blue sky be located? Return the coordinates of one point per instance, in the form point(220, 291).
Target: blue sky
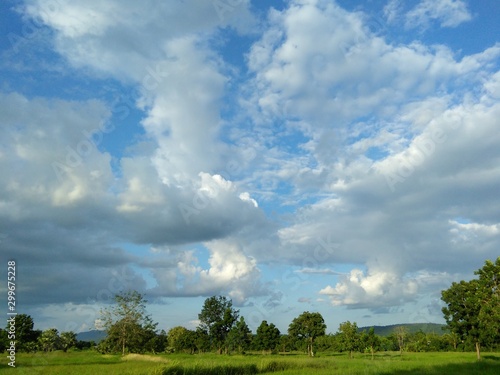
point(331, 156)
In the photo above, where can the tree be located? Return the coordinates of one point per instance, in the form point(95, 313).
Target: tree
point(4, 340)
point(157, 343)
point(26, 337)
point(349, 337)
point(267, 337)
point(286, 343)
point(240, 336)
point(400, 333)
point(452, 339)
point(67, 340)
point(127, 325)
point(489, 314)
point(472, 308)
point(201, 340)
point(371, 340)
point(180, 338)
point(49, 340)
point(307, 326)
point(217, 317)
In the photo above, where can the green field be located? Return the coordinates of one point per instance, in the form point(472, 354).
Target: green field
point(91, 363)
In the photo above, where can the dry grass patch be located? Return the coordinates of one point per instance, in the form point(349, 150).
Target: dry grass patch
point(144, 357)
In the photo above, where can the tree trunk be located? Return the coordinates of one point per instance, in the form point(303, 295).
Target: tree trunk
point(478, 352)
point(371, 348)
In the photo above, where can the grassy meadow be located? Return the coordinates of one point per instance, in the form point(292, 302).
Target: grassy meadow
point(385, 363)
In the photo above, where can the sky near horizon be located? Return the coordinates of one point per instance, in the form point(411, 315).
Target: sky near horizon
point(303, 155)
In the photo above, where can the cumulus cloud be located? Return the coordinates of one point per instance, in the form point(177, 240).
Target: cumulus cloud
point(373, 290)
point(63, 187)
point(229, 271)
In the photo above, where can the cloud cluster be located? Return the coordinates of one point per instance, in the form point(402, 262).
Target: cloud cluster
point(343, 150)
point(409, 124)
point(65, 185)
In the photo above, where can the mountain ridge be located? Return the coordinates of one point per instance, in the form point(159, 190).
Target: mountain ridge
point(92, 335)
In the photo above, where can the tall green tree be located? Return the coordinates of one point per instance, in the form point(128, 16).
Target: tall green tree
point(217, 317)
point(26, 336)
point(127, 324)
point(472, 308)
point(349, 337)
point(267, 337)
point(240, 336)
point(307, 326)
point(489, 314)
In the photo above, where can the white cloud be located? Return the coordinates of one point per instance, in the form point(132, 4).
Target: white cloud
point(320, 64)
point(373, 290)
point(473, 232)
point(54, 213)
point(392, 10)
point(417, 114)
point(376, 289)
point(449, 13)
point(230, 271)
point(105, 34)
point(245, 196)
point(47, 142)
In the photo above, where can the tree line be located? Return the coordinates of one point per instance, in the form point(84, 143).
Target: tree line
point(31, 340)
point(472, 313)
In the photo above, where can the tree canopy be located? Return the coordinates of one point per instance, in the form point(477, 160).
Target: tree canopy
point(267, 337)
point(217, 317)
point(127, 324)
point(240, 336)
point(472, 308)
point(349, 337)
point(308, 326)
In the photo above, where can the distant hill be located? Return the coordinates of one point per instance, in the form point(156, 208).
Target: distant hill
point(93, 335)
point(411, 327)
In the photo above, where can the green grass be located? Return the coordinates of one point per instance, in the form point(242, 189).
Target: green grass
point(91, 363)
